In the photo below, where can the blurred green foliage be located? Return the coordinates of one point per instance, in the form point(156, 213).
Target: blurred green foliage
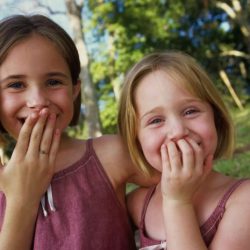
point(239, 165)
point(124, 31)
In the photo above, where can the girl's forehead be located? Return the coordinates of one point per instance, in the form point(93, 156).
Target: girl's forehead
point(34, 55)
point(174, 77)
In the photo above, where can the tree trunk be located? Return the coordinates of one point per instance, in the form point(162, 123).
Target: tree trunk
point(229, 86)
point(115, 81)
point(91, 110)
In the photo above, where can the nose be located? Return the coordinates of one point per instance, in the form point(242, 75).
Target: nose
point(37, 99)
point(176, 129)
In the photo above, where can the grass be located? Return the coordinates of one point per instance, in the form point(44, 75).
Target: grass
point(239, 165)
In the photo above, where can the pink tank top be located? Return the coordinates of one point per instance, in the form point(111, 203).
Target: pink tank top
point(208, 228)
point(88, 214)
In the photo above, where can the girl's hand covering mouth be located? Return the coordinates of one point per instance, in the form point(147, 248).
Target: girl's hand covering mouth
point(28, 172)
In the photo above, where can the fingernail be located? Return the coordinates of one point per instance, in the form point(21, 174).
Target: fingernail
point(33, 115)
point(44, 111)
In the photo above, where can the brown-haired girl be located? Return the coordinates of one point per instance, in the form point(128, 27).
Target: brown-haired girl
point(84, 207)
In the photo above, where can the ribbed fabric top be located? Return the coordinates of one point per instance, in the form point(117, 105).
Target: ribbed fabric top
point(208, 228)
point(88, 213)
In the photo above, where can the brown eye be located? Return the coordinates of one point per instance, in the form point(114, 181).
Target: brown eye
point(54, 82)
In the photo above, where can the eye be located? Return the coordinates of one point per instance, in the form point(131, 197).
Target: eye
point(16, 85)
point(191, 111)
point(54, 82)
point(155, 121)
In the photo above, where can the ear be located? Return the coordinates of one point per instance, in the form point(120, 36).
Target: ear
point(76, 89)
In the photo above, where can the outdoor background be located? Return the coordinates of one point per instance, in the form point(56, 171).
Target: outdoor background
point(111, 35)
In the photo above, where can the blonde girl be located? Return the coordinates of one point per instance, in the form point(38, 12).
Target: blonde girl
point(172, 119)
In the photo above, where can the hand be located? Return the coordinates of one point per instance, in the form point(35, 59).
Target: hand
point(28, 173)
point(183, 170)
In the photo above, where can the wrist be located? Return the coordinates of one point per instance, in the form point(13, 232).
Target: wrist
point(175, 202)
point(22, 207)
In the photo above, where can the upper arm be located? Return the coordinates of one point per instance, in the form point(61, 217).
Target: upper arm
point(234, 229)
point(117, 163)
point(114, 158)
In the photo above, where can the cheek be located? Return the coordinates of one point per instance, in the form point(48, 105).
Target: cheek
point(8, 107)
point(150, 145)
point(210, 138)
point(214, 141)
point(63, 99)
point(64, 102)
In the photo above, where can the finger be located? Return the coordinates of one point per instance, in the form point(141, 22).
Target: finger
point(54, 147)
point(165, 159)
point(198, 155)
point(174, 156)
point(47, 137)
point(37, 133)
point(166, 169)
point(187, 153)
point(24, 135)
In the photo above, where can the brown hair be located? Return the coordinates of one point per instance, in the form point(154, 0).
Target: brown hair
point(182, 67)
point(15, 28)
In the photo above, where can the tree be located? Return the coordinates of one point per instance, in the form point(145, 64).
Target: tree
point(131, 29)
point(91, 110)
point(238, 13)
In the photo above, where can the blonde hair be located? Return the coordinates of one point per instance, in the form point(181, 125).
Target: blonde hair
point(182, 67)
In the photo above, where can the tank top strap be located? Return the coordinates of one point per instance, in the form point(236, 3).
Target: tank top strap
point(228, 193)
point(89, 146)
point(89, 151)
point(145, 205)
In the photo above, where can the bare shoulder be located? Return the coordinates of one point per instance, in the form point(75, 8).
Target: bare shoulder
point(241, 194)
point(114, 157)
point(235, 219)
point(109, 143)
point(135, 202)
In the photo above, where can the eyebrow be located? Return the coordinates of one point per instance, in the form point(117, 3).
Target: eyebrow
point(158, 108)
point(57, 74)
point(20, 76)
point(12, 77)
point(153, 110)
